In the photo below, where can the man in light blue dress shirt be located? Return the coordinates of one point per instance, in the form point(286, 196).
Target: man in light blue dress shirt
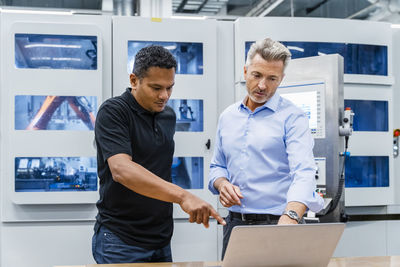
point(263, 165)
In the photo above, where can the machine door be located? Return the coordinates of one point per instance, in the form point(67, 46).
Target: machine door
point(54, 77)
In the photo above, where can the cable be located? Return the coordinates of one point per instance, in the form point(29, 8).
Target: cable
point(336, 199)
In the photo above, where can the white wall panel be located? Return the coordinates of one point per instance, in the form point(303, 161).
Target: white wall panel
point(393, 238)
point(362, 239)
point(46, 244)
point(194, 242)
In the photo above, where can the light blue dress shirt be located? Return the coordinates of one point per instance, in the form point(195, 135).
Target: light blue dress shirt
point(268, 154)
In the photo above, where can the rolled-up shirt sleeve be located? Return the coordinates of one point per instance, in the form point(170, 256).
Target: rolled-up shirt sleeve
point(299, 148)
point(218, 163)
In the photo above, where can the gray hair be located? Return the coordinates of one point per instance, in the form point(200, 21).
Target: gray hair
point(269, 49)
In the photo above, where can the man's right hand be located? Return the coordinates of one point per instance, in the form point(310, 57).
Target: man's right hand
point(229, 194)
point(199, 210)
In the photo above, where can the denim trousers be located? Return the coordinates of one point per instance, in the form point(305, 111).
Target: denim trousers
point(232, 222)
point(109, 248)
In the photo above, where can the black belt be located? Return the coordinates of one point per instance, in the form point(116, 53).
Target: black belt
point(253, 217)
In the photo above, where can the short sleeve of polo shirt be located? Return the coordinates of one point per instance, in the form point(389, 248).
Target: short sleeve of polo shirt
point(112, 131)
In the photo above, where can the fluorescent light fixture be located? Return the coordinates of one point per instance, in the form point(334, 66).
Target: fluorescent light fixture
point(66, 59)
point(295, 48)
point(321, 54)
point(57, 58)
point(170, 47)
point(188, 17)
point(29, 11)
point(395, 26)
point(53, 46)
point(40, 58)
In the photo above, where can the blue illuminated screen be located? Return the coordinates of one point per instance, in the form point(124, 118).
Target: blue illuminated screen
point(47, 174)
point(187, 172)
point(358, 58)
point(306, 101)
point(38, 112)
point(367, 171)
point(189, 56)
point(47, 51)
point(370, 115)
point(189, 114)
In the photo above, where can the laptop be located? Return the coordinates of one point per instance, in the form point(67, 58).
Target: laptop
point(302, 245)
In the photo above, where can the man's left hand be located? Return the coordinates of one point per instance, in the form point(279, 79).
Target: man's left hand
point(284, 219)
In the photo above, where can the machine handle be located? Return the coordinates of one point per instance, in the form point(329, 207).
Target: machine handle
point(346, 129)
point(208, 144)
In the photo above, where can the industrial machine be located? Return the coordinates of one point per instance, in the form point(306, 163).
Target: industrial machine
point(53, 81)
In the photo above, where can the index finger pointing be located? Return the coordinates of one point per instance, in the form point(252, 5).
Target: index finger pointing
point(215, 214)
point(205, 219)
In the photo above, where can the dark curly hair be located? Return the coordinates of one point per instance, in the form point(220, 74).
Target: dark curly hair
point(152, 56)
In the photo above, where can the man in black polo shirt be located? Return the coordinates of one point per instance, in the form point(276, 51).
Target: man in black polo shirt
point(134, 137)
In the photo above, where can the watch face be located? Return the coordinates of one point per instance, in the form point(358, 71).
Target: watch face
point(293, 215)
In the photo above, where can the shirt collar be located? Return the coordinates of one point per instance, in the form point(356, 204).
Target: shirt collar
point(128, 97)
point(271, 104)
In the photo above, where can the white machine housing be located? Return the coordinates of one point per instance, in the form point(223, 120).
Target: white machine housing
point(21, 206)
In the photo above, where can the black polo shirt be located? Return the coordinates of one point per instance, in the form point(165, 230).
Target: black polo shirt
point(123, 126)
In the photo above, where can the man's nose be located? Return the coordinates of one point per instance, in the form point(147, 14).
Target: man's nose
point(163, 94)
point(262, 84)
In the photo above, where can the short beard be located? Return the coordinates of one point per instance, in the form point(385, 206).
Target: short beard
point(256, 100)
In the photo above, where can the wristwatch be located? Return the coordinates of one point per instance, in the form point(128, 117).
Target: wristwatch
point(292, 215)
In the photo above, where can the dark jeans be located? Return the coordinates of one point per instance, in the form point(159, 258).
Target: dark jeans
point(109, 248)
point(232, 222)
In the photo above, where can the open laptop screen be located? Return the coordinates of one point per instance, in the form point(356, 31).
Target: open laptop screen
point(283, 245)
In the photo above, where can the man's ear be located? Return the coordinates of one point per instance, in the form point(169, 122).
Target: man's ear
point(134, 80)
point(244, 71)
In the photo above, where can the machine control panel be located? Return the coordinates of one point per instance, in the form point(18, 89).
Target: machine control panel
point(320, 173)
point(310, 97)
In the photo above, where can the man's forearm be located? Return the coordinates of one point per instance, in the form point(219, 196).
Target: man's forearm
point(140, 180)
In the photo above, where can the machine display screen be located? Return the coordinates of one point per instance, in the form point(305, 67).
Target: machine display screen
point(189, 56)
point(370, 115)
point(41, 112)
point(189, 114)
point(308, 102)
point(188, 172)
point(358, 58)
point(367, 171)
point(47, 174)
point(47, 51)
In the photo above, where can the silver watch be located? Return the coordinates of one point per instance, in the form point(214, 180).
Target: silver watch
point(292, 215)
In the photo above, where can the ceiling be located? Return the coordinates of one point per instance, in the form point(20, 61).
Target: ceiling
point(70, 4)
point(382, 10)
